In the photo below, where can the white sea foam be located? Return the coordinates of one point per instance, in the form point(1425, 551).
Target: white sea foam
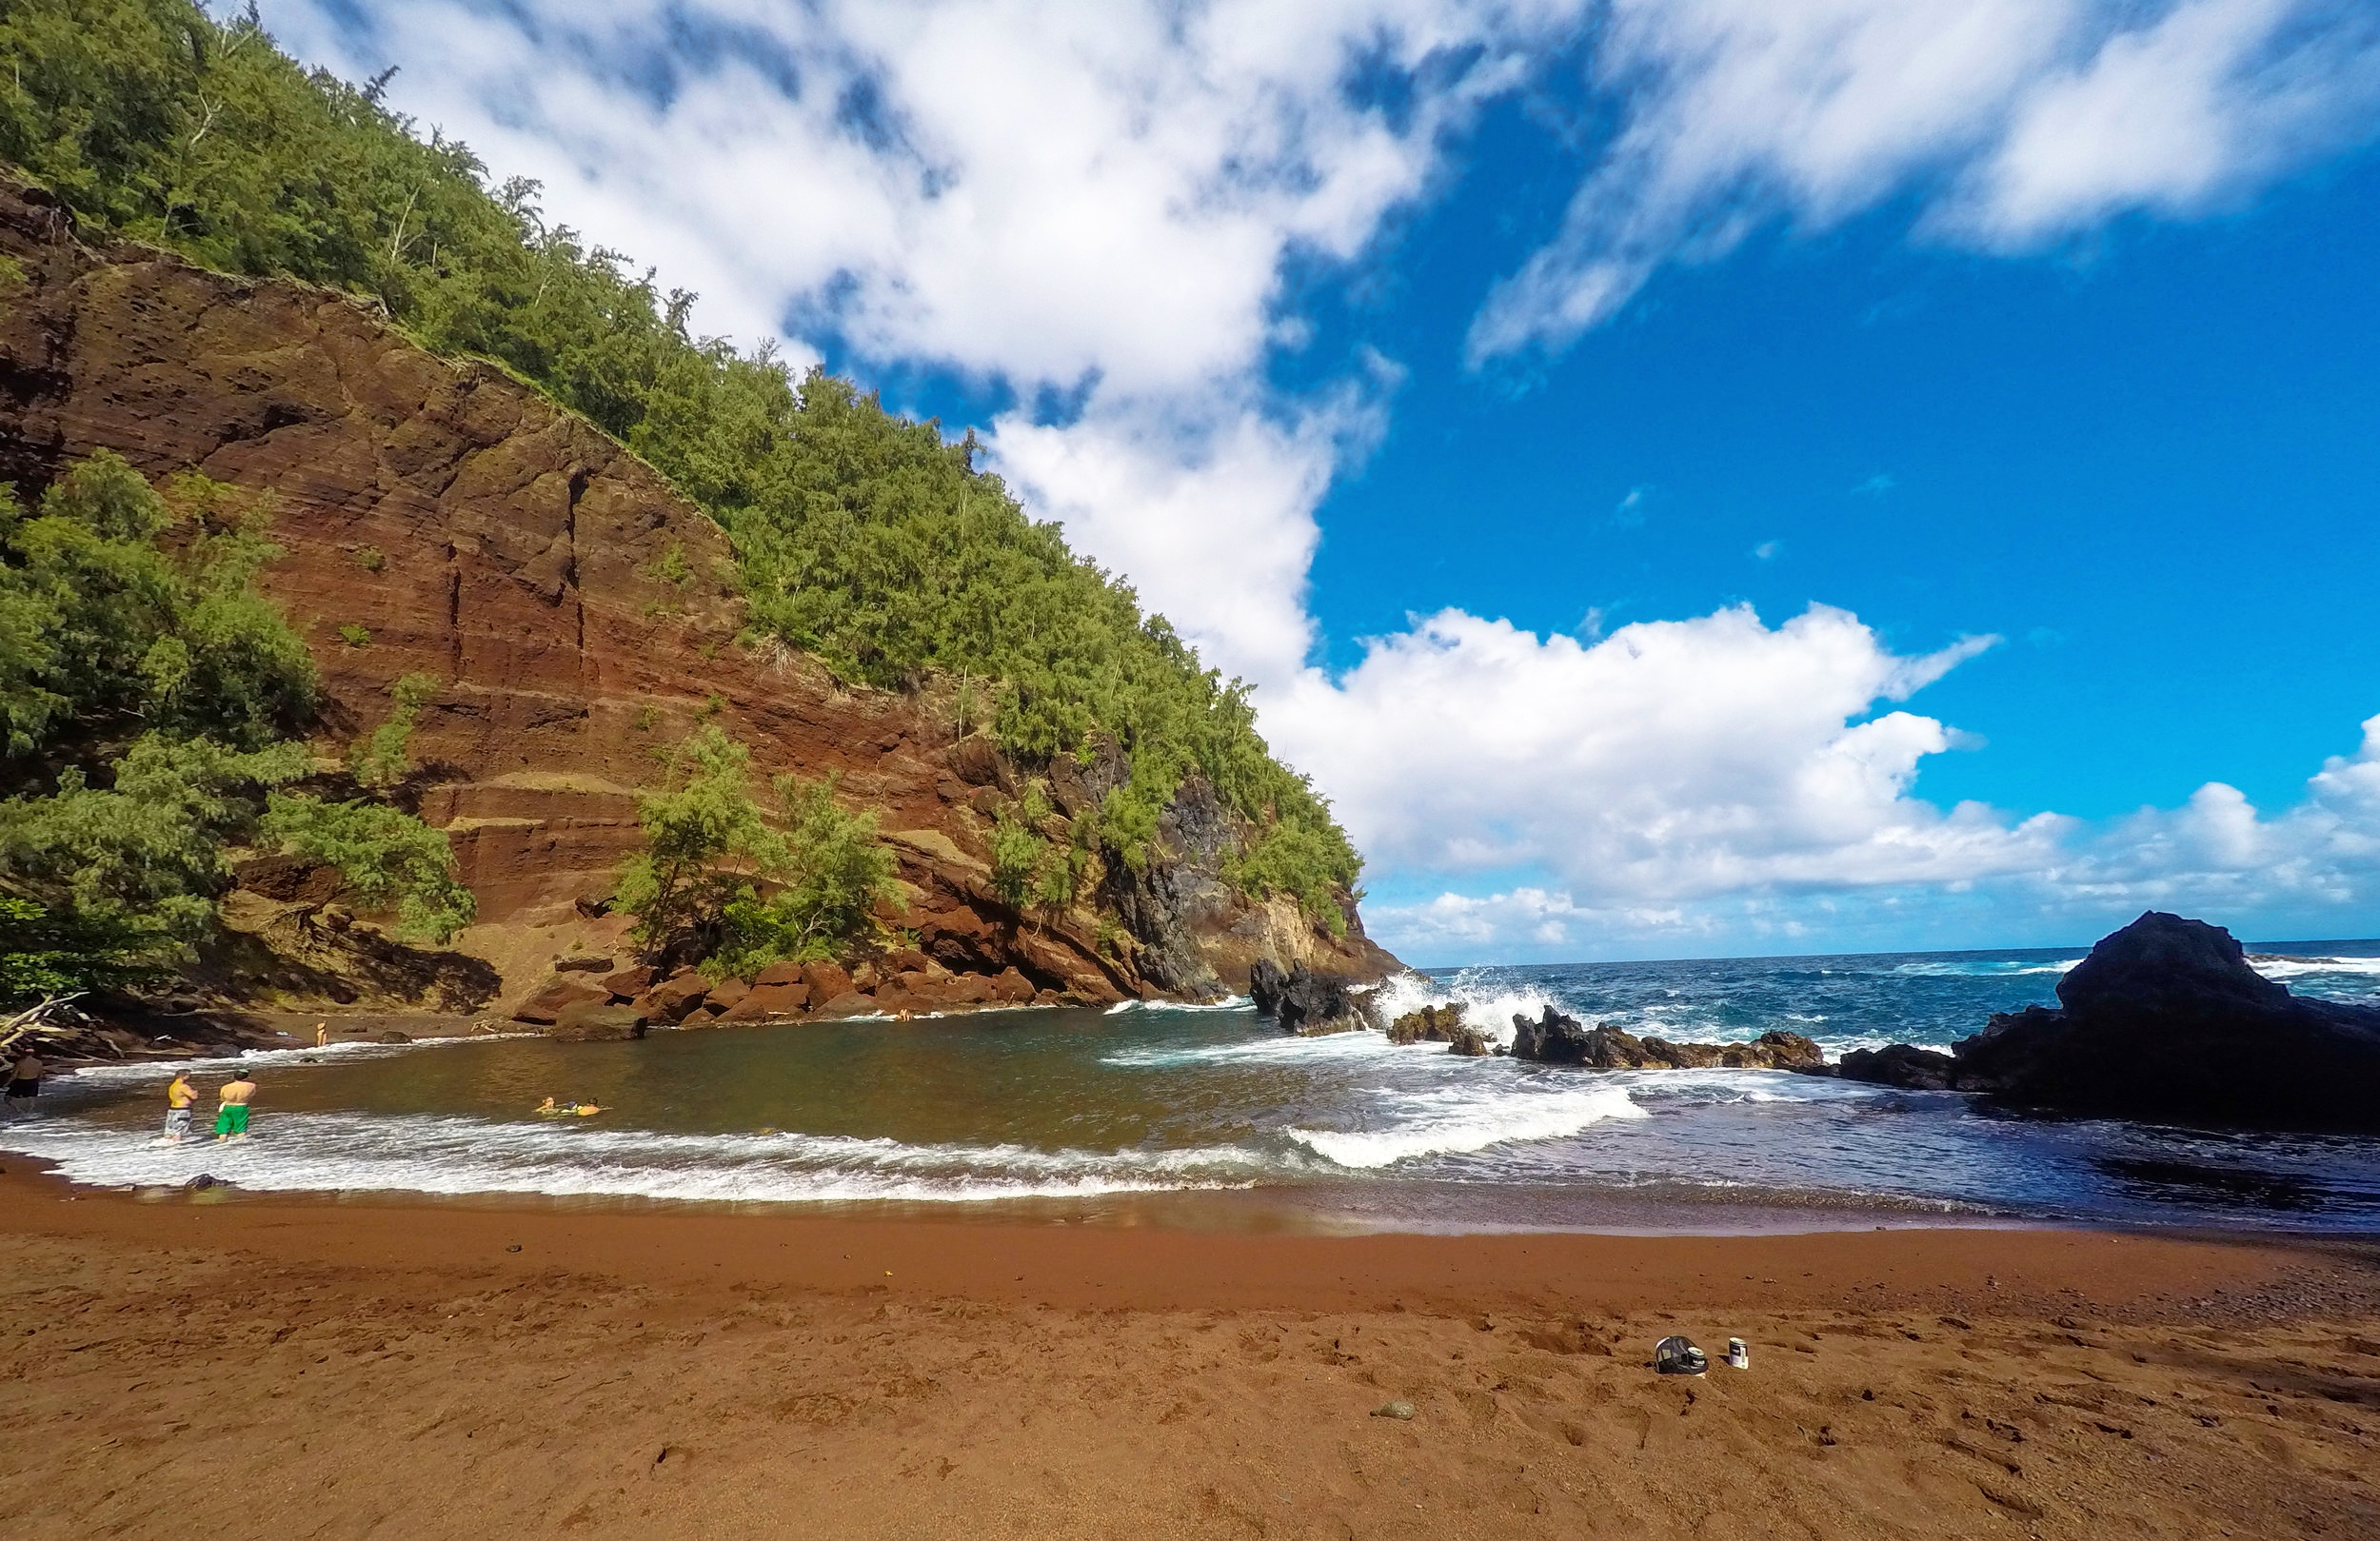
point(1981, 968)
point(1459, 1119)
point(2298, 968)
point(163, 1069)
point(1267, 1048)
point(1489, 1005)
point(317, 1152)
point(1227, 1004)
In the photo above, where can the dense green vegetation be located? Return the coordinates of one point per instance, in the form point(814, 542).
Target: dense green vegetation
point(719, 879)
point(151, 699)
point(861, 537)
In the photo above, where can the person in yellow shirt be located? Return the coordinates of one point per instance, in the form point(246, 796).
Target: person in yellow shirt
point(179, 1096)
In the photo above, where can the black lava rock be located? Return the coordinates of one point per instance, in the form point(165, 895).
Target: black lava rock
point(2165, 1022)
point(1305, 1002)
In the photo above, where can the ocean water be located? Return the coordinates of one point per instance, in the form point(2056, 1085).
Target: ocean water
point(1210, 1116)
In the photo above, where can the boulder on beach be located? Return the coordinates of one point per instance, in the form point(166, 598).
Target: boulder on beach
point(630, 982)
point(557, 996)
point(2165, 1020)
point(675, 999)
point(597, 1023)
point(1307, 1003)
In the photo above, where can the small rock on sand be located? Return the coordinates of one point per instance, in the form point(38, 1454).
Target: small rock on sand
point(1402, 1410)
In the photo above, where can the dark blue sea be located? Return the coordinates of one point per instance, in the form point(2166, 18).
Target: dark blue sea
point(1207, 1117)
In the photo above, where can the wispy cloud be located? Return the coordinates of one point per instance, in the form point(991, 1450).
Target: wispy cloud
point(2016, 122)
point(1630, 511)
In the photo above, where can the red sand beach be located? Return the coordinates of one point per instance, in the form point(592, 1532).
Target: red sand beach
point(347, 1369)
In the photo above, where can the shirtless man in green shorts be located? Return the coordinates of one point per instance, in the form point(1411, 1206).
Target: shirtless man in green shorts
point(231, 1106)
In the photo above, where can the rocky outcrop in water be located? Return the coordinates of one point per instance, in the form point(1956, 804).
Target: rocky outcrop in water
point(1429, 1024)
point(2166, 1021)
point(1901, 1066)
point(1469, 1042)
point(1557, 1040)
point(1307, 1003)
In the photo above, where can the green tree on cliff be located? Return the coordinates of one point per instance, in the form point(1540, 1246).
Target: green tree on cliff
point(860, 535)
point(716, 873)
point(150, 697)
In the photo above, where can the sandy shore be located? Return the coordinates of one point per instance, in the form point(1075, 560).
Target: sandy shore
point(386, 1370)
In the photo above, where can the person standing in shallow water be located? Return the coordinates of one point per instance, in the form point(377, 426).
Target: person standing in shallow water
point(178, 1099)
point(231, 1100)
point(24, 1084)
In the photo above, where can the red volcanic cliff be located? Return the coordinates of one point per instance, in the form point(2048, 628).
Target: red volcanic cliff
point(479, 533)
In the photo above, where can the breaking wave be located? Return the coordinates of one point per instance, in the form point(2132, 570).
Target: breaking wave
point(1458, 1120)
point(313, 1152)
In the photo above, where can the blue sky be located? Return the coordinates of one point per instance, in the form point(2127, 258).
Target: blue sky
point(1686, 475)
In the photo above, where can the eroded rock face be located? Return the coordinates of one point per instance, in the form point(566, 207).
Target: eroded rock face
point(479, 534)
point(2165, 1020)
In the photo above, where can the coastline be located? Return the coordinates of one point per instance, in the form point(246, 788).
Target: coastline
point(393, 1368)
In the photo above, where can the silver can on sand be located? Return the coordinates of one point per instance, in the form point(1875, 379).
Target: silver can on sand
point(1738, 1356)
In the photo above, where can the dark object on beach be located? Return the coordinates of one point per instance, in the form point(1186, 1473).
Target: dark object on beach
point(2166, 1021)
point(1557, 1040)
point(1469, 1042)
point(1903, 1067)
point(1304, 1002)
point(202, 1182)
point(1676, 1356)
point(392, 1035)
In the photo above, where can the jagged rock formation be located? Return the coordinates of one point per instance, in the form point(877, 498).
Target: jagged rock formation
point(1557, 1040)
point(1307, 1003)
point(577, 613)
point(1901, 1066)
point(1429, 1024)
point(2165, 1020)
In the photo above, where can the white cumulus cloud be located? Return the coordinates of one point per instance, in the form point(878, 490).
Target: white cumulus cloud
point(1670, 760)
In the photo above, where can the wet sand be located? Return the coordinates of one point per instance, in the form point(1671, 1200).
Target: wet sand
point(395, 1369)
